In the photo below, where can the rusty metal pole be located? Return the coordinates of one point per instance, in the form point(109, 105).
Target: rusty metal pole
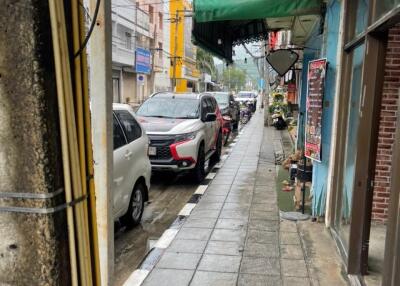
point(100, 91)
point(175, 50)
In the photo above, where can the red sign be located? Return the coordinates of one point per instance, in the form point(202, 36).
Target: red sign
point(315, 95)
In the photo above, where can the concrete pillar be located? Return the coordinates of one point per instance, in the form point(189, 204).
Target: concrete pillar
point(33, 246)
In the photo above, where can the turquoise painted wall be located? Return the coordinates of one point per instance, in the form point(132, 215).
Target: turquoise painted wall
point(322, 46)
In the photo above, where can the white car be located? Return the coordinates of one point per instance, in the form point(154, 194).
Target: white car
point(132, 168)
point(247, 96)
point(184, 130)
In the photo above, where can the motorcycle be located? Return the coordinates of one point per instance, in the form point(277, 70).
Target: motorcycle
point(245, 113)
point(278, 121)
point(226, 128)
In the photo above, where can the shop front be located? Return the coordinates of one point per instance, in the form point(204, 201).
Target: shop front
point(362, 200)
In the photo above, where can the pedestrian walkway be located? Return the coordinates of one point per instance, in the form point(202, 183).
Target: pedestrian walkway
point(233, 235)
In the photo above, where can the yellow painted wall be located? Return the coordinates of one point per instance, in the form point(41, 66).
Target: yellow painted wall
point(181, 83)
point(179, 6)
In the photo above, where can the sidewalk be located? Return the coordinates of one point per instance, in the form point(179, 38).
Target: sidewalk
point(233, 235)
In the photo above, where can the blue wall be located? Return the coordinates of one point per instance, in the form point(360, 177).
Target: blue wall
point(329, 45)
point(311, 52)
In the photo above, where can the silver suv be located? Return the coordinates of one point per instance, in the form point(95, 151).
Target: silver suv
point(184, 131)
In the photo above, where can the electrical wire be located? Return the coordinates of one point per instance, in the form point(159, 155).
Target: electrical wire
point(94, 19)
point(144, 4)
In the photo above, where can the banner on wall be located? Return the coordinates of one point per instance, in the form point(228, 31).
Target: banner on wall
point(315, 96)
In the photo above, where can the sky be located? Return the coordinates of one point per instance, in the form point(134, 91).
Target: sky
point(241, 53)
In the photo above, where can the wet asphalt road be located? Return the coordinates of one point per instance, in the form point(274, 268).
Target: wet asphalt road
point(168, 194)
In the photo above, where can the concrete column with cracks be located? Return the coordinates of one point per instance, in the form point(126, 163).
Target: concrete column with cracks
point(33, 247)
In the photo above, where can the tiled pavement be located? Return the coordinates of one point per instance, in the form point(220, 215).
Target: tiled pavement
point(234, 235)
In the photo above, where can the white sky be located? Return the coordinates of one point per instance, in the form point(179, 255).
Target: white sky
point(241, 53)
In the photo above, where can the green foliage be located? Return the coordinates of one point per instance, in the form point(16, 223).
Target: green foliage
point(235, 78)
point(278, 104)
point(205, 62)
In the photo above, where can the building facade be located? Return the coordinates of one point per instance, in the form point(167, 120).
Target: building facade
point(158, 23)
point(139, 56)
point(356, 183)
point(183, 72)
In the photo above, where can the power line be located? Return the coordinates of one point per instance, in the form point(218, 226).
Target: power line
point(86, 40)
point(144, 4)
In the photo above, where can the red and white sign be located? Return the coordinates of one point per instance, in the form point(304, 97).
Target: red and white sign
point(315, 96)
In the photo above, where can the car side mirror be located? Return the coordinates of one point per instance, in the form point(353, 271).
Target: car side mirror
point(210, 117)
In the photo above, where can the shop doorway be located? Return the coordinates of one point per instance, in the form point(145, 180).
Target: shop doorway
point(366, 204)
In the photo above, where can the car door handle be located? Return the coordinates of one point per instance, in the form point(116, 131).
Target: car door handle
point(128, 155)
point(118, 181)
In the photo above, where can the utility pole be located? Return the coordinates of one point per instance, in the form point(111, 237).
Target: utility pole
point(175, 57)
point(176, 22)
point(153, 54)
point(101, 117)
point(266, 82)
point(229, 78)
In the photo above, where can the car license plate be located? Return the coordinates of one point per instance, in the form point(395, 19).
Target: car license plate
point(152, 151)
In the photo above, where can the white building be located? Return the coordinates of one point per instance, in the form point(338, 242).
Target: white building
point(163, 62)
point(137, 51)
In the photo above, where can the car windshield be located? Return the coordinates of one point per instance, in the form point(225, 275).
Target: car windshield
point(222, 99)
point(170, 107)
point(246, 95)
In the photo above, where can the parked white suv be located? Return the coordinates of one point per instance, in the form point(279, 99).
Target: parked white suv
point(184, 131)
point(132, 168)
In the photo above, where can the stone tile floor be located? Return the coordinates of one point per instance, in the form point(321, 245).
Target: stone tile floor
point(234, 235)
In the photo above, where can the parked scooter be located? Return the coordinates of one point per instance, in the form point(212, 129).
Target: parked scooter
point(245, 112)
point(278, 121)
point(226, 128)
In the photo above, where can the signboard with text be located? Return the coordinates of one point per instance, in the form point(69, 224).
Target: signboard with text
point(313, 120)
point(143, 61)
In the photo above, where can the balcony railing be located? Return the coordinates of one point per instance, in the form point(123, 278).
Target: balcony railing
point(143, 19)
point(122, 55)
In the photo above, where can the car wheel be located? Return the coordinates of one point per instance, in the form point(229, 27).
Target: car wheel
point(136, 207)
point(199, 172)
point(217, 154)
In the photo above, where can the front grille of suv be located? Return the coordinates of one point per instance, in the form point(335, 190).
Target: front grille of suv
point(163, 152)
point(162, 144)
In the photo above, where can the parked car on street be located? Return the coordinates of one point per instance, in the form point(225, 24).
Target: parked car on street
point(248, 96)
point(228, 107)
point(184, 131)
point(132, 168)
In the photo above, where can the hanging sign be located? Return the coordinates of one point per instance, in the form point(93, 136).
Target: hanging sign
point(143, 58)
point(315, 94)
point(282, 60)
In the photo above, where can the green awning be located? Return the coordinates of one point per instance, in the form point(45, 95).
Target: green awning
point(223, 10)
point(220, 36)
point(220, 24)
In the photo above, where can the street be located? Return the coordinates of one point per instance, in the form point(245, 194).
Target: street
point(168, 194)
point(200, 143)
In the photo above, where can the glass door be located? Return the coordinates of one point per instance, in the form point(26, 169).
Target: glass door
point(351, 143)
